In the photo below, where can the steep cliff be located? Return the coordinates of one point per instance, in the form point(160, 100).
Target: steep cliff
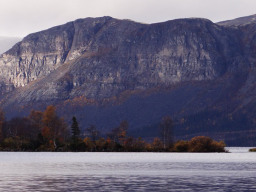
point(106, 56)
point(105, 70)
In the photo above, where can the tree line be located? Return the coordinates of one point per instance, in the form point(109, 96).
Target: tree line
point(46, 131)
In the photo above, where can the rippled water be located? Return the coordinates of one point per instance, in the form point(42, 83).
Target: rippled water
point(128, 171)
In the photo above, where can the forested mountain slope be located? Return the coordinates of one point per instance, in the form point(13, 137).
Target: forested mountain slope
point(105, 70)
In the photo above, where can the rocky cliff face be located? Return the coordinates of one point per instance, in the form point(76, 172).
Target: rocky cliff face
point(179, 67)
point(106, 56)
point(36, 56)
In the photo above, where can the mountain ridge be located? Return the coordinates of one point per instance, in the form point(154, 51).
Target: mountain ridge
point(7, 42)
point(241, 21)
point(105, 70)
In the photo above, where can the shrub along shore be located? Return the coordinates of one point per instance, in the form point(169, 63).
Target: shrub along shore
point(45, 131)
point(200, 144)
point(252, 150)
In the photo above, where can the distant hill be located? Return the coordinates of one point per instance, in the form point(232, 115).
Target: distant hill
point(6, 43)
point(104, 70)
point(240, 21)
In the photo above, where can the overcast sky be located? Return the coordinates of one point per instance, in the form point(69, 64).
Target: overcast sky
point(21, 17)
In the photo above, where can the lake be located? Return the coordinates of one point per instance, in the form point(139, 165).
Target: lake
point(128, 171)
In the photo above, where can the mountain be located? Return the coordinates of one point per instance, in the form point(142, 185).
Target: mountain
point(105, 70)
point(241, 21)
point(7, 42)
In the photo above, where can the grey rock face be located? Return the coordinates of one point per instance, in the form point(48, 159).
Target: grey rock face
point(104, 57)
point(36, 56)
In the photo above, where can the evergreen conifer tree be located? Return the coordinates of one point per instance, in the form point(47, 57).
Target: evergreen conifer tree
point(75, 133)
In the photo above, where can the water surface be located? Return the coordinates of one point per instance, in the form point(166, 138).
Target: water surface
point(128, 171)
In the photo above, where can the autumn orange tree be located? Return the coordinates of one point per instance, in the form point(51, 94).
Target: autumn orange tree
point(122, 132)
point(54, 128)
point(119, 133)
point(157, 145)
point(36, 118)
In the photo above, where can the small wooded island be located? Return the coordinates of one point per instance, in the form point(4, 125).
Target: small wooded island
point(45, 131)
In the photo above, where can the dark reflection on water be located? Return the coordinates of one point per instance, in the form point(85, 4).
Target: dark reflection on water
point(127, 172)
point(130, 183)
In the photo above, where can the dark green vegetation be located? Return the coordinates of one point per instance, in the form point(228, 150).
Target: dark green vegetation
point(45, 131)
